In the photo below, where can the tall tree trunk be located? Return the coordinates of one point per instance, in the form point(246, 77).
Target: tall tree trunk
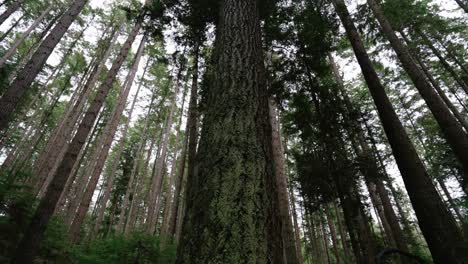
point(33, 236)
point(332, 228)
point(296, 228)
point(189, 150)
point(109, 134)
point(289, 243)
point(444, 62)
point(451, 129)
point(169, 206)
point(156, 184)
point(436, 86)
point(13, 26)
point(54, 150)
point(17, 90)
point(438, 226)
point(138, 190)
point(10, 10)
point(20, 40)
point(231, 196)
point(462, 5)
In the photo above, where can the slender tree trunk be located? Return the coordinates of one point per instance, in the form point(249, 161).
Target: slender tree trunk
point(231, 197)
point(156, 183)
point(289, 243)
point(109, 136)
point(190, 145)
point(462, 5)
point(452, 130)
point(438, 226)
point(12, 8)
point(18, 89)
point(437, 87)
point(33, 236)
point(444, 62)
point(137, 192)
point(49, 159)
point(169, 206)
point(343, 236)
point(13, 26)
point(450, 199)
point(332, 228)
point(20, 40)
point(296, 228)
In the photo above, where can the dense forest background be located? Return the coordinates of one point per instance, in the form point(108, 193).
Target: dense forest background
point(233, 131)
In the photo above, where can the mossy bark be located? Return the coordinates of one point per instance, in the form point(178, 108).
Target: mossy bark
point(231, 194)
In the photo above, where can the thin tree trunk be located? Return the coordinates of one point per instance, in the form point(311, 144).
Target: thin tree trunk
point(49, 159)
point(11, 51)
point(156, 183)
point(296, 228)
point(439, 90)
point(18, 89)
point(169, 206)
point(444, 63)
point(111, 129)
point(289, 243)
point(33, 236)
point(452, 130)
point(190, 146)
point(449, 198)
point(462, 5)
point(13, 26)
point(438, 226)
point(10, 10)
point(332, 228)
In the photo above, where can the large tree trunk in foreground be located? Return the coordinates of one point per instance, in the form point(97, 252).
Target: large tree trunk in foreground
point(231, 197)
point(451, 129)
point(438, 226)
point(29, 245)
point(18, 89)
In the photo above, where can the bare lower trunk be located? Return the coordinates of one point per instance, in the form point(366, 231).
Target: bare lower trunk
point(55, 149)
point(10, 10)
point(22, 84)
point(109, 134)
point(438, 226)
point(33, 236)
point(158, 172)
point(11, 51)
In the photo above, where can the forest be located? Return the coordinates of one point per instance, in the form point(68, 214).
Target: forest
point(234, 131)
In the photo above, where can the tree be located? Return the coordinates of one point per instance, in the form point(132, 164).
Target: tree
point(231, 196)
point(13, 96)
point(438, 226)
point(28, 246)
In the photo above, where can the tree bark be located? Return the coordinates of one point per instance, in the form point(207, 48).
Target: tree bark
point(13, 26)
point(462, 5)
point(109, 134)
point(156, 184)
point(289, 243)
point(20, 40)
point(438, 226)
point(451, 129)
point(33, 236)
point(10, 10)
point(54, 150)
point(19, 87)
point(231, 197)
